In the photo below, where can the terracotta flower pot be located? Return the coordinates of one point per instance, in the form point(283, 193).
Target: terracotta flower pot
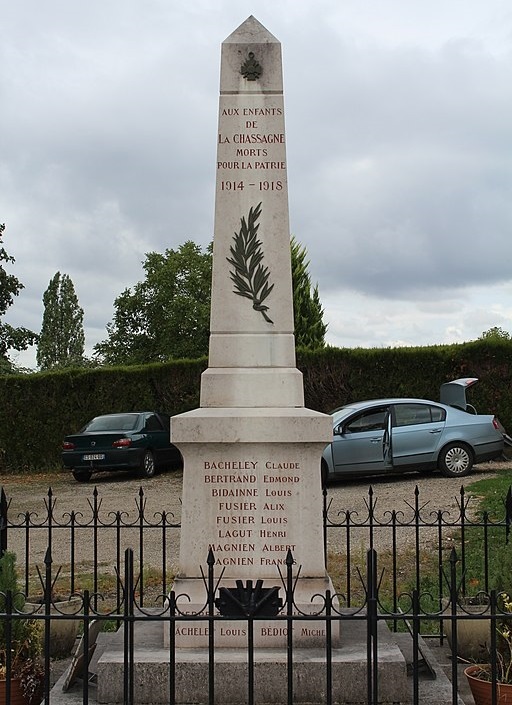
point(482, 689)
point(17, 697)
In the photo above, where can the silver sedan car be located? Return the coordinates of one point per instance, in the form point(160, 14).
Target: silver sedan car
point(401, 435)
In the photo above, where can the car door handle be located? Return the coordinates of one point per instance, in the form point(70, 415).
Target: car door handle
point(436, 430)
point(376, 440)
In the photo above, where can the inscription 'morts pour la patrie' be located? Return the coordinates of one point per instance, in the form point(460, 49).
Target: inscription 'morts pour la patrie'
point(243, 139)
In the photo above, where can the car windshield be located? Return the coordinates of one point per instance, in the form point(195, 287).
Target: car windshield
point(117, 422)
point(341, 413)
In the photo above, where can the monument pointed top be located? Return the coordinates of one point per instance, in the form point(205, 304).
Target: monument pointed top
point(251, 32)
point(254, 43)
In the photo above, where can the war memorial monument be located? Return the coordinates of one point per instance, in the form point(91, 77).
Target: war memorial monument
point(252, 491)
point(252, 486)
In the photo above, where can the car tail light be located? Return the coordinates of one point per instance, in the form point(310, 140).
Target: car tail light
point(122, 443)
point(67, 445)
point(498, 425)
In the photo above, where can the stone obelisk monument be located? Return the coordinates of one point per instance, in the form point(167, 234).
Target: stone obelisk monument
point(252, 451)
point(251, 482)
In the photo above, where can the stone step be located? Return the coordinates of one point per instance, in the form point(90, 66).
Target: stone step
point(349, 673)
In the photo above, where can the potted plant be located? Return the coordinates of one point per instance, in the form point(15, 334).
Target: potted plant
point(473, 635)
point(21, 640)
point(480, 675)
point(63, 632)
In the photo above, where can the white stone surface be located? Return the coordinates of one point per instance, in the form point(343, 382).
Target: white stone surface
point(267, 633)
point(252, 452)
point(251, 175)
point(235, 425)
point(349, 673)
point(258, 387)
point(252, 350)
point(248, 174)
point(250, 503)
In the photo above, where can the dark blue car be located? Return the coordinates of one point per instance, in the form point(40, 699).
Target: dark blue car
point(132, 441)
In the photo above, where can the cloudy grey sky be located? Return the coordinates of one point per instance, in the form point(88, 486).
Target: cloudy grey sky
point(399, 145)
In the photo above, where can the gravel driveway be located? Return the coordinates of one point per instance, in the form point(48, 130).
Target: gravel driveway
point(119, 495)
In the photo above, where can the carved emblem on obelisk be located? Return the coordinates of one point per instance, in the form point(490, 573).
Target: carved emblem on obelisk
point(250, 277)
point(251, 69)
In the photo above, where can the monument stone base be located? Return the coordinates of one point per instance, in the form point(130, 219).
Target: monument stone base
point(349, 671)
point(268, 633)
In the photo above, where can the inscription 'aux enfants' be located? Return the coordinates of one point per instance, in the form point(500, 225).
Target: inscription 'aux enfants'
point(246, 147)
point(259, 514)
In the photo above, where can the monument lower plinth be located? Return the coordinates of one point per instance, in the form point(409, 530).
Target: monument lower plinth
point(253, 496)
point(191, 674)
point(253, 491)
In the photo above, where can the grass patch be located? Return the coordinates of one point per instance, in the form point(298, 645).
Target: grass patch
point(485, 550)
point(105, 590)
point(483, 558)
point(492, 493)
point(397, 579)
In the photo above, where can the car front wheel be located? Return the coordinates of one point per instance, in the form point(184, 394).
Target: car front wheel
point(456, 460)
point(148, 464)
point(82, 475)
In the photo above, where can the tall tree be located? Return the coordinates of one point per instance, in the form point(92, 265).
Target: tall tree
point(166, 316)
point(495, 333)
point(310, 328)
point(10, 338)
point(62, 340)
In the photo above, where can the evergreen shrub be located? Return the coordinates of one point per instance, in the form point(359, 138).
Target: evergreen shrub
point(38, 410)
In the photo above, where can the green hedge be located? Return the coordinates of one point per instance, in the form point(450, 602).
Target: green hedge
point(333, 377)
point(37, 411)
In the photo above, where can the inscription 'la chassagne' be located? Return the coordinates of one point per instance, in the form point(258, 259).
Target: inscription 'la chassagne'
point(251, 139)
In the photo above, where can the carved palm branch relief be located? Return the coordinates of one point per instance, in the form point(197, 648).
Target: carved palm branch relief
point(249, 276)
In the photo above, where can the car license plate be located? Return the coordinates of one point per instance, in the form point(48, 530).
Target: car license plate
point(94, 456)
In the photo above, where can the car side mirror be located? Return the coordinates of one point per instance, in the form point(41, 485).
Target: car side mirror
point(337, 430)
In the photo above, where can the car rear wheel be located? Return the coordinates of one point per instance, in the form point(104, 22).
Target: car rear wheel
point(456, 460)
point(147, 467)
point(324, 474)
point(82, 475)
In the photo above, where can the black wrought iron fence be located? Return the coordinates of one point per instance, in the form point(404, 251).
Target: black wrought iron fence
point(416, 540)
point(376, 679)
point(365, 547)
point(89, 543)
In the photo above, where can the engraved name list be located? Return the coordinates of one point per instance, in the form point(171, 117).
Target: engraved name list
point(251, 501)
